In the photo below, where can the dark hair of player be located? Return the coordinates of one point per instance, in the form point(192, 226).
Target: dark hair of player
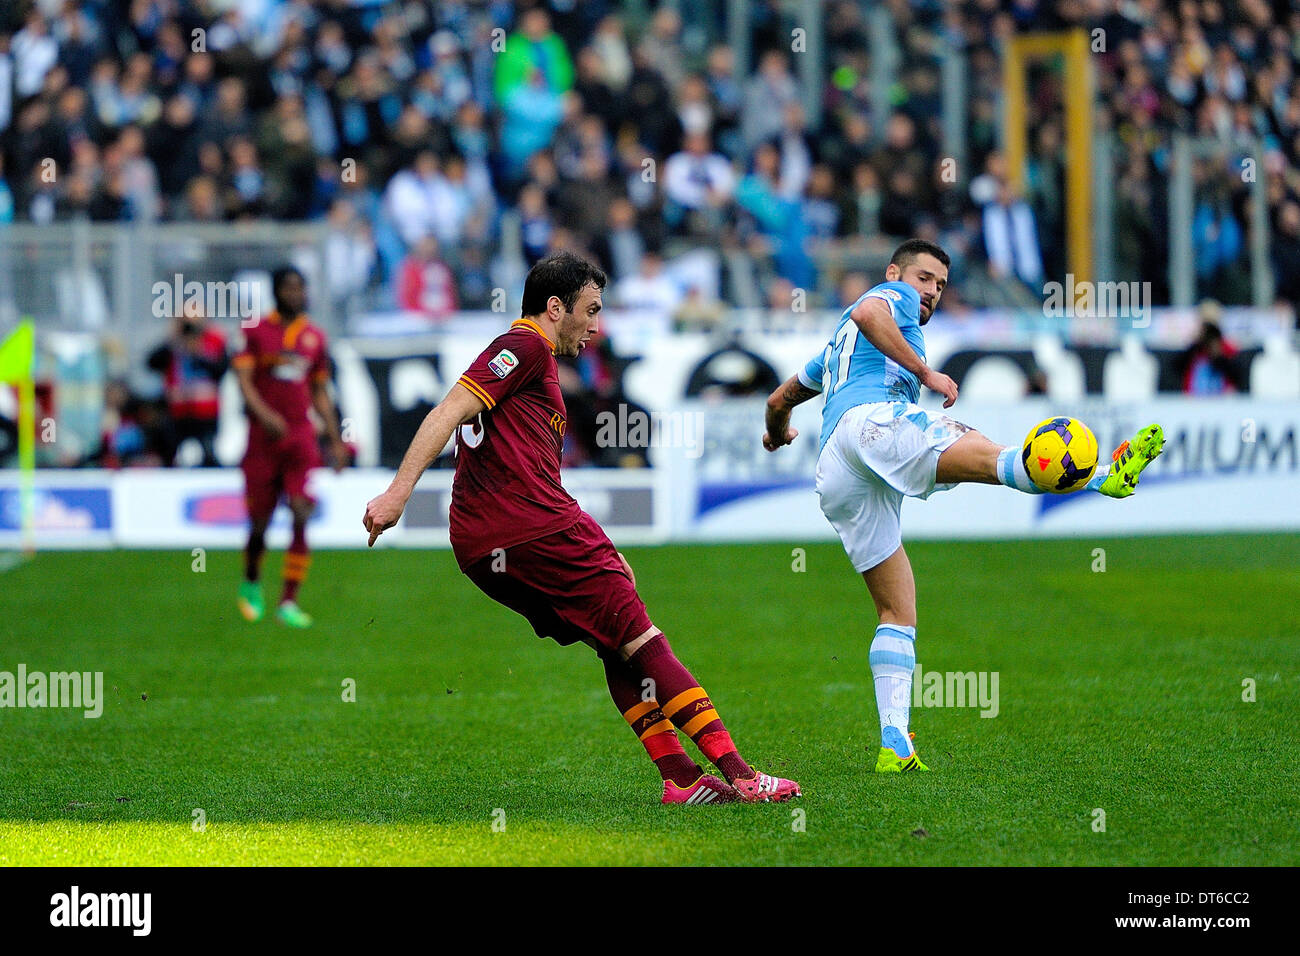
point(905, 254)
point(562, 274)
point(278, 277)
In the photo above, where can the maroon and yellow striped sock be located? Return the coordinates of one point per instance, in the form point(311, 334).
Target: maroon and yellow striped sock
point(647, 721)
point(689, 707)
point(296, 562)
point(656, 733)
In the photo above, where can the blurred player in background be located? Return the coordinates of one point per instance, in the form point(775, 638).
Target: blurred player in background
point(878, 445)
point(523, 540)
point(283, 372)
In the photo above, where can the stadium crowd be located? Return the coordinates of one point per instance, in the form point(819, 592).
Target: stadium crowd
point(438, 140)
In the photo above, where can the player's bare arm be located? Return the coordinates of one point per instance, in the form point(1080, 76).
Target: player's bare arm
point(324, 405)
point(780, 403)
point(876, 322)
point(268, 417)
point(458, 408)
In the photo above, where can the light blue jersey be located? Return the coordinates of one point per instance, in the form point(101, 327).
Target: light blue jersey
point(851, 371)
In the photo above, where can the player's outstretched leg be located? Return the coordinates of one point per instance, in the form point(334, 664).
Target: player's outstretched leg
point(688, 706)
point(974, 458)
point(251, 605)
point(684, 781)
point(296, 562)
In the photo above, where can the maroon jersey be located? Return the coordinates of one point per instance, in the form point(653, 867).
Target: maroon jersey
point(507, 487)
point(285, 359)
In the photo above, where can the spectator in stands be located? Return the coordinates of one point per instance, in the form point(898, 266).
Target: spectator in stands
point(900, 203)
point(203, 200)
point(416, 198)
point(651, 288)
point(1011, 239)
point(173, 145)
point(229, 116)
point(777, 220)
point(351, 257)
point(819, 209)
point(796, 151)
point(866, 201)
point(132, 431)
point(766, 95)
point(35, 52)
point(533, 73)
point(698, 183)
point(727, 99)
point(1211, 366)
point(663, 46)
point(191, 362)
point(620, 245)
point(609, 43)
point(1286, 255)
point(425, 284)
point(246, 185)
point(851, 288)
point(584, 202)
point(140, 179)
point(536, 226)
point(1217, 241)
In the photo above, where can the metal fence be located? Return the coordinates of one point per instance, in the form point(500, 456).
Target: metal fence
point(122, 281)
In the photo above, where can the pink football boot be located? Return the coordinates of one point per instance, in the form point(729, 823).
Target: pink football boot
point(762, 788)
point(707, 789)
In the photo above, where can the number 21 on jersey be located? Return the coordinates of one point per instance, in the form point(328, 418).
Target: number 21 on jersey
point(838, 356)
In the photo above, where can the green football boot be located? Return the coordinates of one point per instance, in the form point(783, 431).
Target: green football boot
point(291, 615)
point(251, 605)
point(1129, 459)
point(888, 760)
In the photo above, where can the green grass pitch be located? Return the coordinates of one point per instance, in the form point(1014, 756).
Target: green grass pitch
point(1120, 691)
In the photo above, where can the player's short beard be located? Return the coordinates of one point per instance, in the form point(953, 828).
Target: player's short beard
point(565, 347)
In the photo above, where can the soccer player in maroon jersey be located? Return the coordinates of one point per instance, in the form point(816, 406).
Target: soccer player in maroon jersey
point(283, 371)
point(523, 540)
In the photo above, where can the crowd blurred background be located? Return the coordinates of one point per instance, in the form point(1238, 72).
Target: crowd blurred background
point(443, 147)
point(415, 130)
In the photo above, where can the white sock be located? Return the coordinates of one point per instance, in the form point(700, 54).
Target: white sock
point(1100, 475)
point(893, 658)
point(1012, 473)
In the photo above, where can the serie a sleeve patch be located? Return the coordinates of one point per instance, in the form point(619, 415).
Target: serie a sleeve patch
point(504, 363)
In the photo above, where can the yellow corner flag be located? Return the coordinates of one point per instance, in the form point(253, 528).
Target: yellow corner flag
point(16, 353)
point(17, 360)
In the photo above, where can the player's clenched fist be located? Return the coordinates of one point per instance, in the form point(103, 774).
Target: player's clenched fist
point(772, 444)
point(382, 513)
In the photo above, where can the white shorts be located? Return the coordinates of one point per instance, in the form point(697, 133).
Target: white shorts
point(876, 455)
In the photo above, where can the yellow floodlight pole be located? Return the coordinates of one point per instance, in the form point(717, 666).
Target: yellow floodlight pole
point(1073, 46)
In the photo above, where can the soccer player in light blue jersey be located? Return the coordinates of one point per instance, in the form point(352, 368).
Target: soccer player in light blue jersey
point(878, 445)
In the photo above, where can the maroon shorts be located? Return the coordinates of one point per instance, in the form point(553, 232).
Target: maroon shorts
point(570, 585)
point(275, 468)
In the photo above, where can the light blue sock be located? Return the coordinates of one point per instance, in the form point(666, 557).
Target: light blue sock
point(892, 659)
point(1100, 475)
point(1012, 473)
